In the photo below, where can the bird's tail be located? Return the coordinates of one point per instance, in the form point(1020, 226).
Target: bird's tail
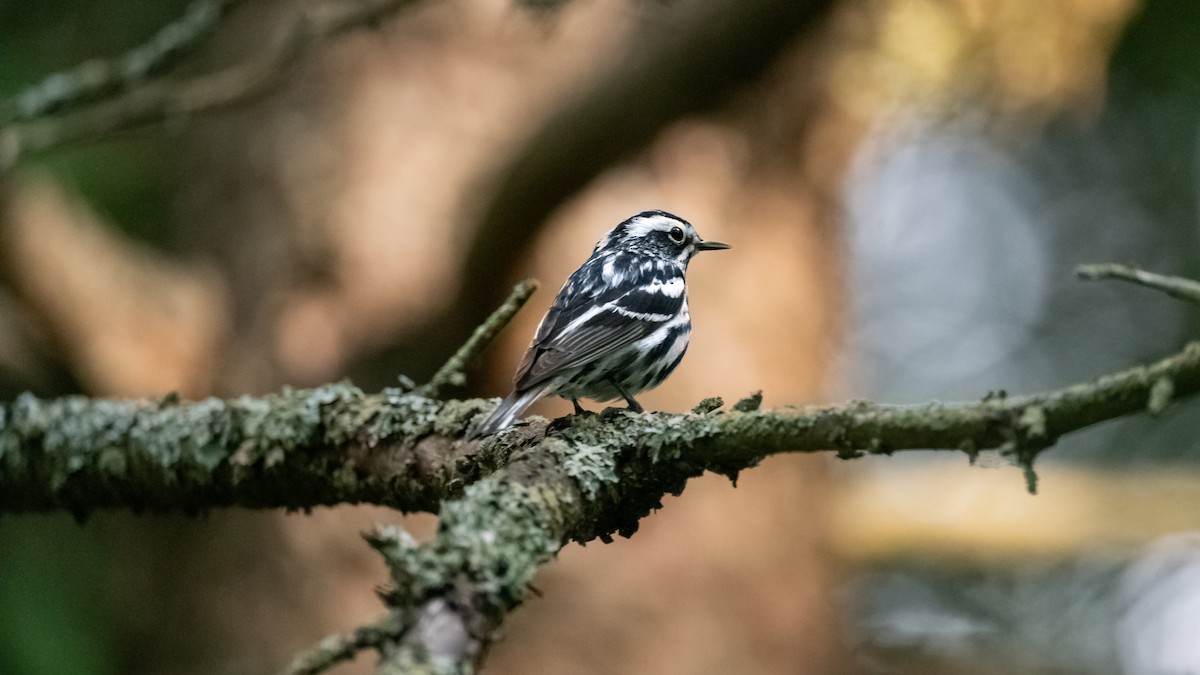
point(509, 410)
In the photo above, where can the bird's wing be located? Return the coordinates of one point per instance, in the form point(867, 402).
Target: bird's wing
point(597, 313)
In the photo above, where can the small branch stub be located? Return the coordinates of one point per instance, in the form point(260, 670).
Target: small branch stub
point(453, 372)
point(1178, 287)
point(338, 648)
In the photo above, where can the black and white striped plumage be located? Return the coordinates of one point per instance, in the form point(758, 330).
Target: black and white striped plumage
point(620, 324)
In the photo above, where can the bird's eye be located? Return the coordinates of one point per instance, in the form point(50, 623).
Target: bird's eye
point(676, 235)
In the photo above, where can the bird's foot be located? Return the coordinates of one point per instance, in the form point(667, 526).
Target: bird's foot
point(612, 412)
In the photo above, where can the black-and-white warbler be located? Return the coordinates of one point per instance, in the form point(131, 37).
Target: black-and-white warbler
point(620, 324)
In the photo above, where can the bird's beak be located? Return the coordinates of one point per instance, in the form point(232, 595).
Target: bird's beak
point(710, 246)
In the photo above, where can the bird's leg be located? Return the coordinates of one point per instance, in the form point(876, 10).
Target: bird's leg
point(578, 408)
point(634, 406)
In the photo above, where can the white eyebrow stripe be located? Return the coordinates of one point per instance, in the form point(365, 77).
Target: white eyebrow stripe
point(640, 227)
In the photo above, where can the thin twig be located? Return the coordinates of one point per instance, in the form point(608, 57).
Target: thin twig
point(157, 101)
point(103, 78)
point(338, 647)
point(453, 371)
point(1178, 287)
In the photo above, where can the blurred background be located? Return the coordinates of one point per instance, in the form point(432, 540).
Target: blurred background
point(907, 189)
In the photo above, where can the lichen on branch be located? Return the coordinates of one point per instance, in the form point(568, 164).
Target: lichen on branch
point(302, 448)
point(297, 449)
point(507, 503)
point(593, 476)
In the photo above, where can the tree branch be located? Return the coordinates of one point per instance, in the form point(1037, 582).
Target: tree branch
point(600, 476)
point(296, 450)
point(506, 504)
point(338, 648)
point(101, 78)
point(153, 102)
point(335, 444)
point(1178, 287)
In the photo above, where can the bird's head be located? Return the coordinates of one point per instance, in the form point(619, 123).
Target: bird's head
point(659, 234)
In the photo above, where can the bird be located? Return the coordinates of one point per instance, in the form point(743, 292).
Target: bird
point(618, 326)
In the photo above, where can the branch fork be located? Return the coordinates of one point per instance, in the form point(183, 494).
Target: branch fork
point(507, 504)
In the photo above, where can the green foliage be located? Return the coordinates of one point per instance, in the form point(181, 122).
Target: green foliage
point(1158, 49)
point(54, 616)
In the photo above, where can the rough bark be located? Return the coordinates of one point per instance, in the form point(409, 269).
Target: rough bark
point(336, 444)
point(507, 503)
